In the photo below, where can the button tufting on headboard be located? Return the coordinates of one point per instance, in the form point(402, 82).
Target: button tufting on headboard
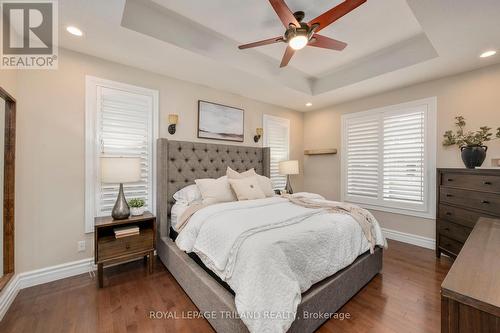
point(180, 163)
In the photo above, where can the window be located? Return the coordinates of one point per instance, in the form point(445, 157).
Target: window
point(121, 120)
point(277, 137)
point(388, 158)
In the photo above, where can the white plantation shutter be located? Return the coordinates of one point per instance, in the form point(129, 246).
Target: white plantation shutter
point(121, 121)
point(388, 158)
point(277, 138)
point(124, 124)
point(404, 157)
point(362, 157)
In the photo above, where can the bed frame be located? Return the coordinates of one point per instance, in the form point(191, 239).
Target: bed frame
point(179, 164)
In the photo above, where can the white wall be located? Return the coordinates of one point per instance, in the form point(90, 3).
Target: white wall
point(474, 95)
point(50, 147)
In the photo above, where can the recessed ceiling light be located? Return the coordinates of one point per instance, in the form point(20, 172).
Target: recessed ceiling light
point(488, 54)
point(74, 31)
point(309, 104)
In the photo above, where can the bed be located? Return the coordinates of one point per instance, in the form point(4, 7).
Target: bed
point(178, 165)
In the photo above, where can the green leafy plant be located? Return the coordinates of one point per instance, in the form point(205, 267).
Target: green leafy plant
point(463, 138)
point(136, 203)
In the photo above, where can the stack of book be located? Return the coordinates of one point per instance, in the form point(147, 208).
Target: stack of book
point(126, 231)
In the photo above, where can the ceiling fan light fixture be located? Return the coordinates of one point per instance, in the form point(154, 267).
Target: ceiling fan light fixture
point(298, 42)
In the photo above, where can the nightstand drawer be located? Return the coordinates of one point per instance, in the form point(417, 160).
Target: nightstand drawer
point(110, 247)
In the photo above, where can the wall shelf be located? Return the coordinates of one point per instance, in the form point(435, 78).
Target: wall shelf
point(328, 151)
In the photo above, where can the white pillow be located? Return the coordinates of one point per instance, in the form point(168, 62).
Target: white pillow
point(175, 214)
point(247, 188)
point(215, 190)
point(265, 183)
point(232, 174)
point(187, 195)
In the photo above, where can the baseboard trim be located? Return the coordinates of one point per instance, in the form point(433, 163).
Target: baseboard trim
point(39, 276)
point(57, 272)
point(404, 237)
point(8, 295)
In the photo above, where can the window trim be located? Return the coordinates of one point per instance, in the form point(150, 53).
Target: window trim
point(430, 133)
point(285, 121)
point(91, 84)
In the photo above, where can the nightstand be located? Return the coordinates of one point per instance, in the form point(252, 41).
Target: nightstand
point(110, 250)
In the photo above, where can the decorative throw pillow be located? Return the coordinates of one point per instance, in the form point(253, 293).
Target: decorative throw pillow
point(231, 174)
point(215, 190)
point(265, 183)
point(187, 195)
point(247, 188)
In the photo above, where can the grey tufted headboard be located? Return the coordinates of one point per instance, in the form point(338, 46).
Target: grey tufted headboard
point(179, 163)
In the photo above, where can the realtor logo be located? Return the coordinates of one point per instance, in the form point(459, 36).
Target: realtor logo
point(29, 34)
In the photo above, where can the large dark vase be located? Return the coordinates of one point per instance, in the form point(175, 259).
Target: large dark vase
point(473, 156)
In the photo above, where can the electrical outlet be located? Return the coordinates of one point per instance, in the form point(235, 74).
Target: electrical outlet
point(81, 246)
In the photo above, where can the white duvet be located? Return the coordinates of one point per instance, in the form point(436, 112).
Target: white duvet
point(270, 251)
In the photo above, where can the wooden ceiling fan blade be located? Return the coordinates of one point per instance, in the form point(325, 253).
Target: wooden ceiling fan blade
point(284, 13)
point(327, 43)
point(261, 43)
point(335, 13)
point(289, 52)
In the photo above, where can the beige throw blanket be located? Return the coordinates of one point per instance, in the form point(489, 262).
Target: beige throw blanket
point(183, 220)
point(363, 217)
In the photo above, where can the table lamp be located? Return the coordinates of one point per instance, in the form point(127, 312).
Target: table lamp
point(119, 169)
point(289, 168)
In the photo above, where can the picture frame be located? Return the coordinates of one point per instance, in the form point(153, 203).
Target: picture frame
point(220, 122)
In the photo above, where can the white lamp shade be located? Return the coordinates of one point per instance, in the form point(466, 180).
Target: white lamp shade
point(289, 167)
point(119, 169)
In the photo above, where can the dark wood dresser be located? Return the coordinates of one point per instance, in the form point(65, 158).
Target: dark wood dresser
point(464, 195)
point(470, 293)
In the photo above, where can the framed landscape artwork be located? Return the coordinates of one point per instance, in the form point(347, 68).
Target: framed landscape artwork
point(220, 122)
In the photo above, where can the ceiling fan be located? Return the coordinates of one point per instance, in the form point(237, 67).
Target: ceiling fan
point(299, 34)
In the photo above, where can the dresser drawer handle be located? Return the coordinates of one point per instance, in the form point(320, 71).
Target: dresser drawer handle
point(449, 213)
point(447, 229)
point(127, 246)
point(449, 195)
point(486, 183)
point(450, 179)
point(486, 202)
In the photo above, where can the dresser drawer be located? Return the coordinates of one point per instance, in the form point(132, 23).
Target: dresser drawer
point(453, 231)
point(488, 202)
point(110, 246)
point(465, 217)
point(472, 182)
point(450, 245)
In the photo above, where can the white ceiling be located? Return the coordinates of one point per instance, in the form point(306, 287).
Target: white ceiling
point(392, 43)
point(249, 21)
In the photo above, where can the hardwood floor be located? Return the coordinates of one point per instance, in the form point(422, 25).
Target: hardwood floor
point(405, 297)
